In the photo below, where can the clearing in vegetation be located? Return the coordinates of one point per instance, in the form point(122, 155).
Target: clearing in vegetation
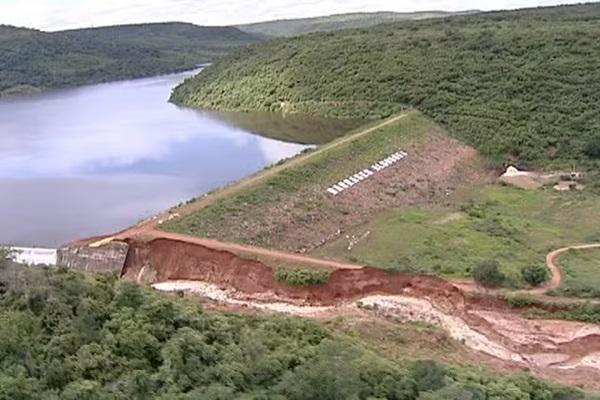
point(513, 226)
point(581, 272)
point(519, 85)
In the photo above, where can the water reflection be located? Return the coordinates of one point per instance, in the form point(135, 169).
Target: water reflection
point(295, 128)
point(91, 160)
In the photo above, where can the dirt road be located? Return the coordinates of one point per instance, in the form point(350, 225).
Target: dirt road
point(551, 261)
point(256, 252)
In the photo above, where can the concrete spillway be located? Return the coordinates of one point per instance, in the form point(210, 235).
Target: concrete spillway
point(109, 258)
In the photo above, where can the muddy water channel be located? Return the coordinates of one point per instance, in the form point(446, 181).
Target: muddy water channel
point(94, 159)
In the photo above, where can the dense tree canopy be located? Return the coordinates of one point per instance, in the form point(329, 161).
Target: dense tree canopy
point(519, 85)
point(66, 336)
point(32, 60)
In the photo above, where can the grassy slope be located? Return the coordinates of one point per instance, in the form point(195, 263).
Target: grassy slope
point(521, 85)
point(68, 336)
point(293, 27)
point(514, 226)
point(31, 60)
point(581, 269)
point(299, 180)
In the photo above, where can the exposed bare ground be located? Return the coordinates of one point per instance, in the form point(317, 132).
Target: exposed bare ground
point(566, 351)
point(254, 252)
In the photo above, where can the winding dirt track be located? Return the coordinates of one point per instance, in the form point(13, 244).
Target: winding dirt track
point(551, 261)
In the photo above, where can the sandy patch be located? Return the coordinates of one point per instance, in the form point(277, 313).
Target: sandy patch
point(412, 309)
point(228, 296)
point(549, 333)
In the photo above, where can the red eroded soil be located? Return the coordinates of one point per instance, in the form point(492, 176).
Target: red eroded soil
point(166, 259)
point(552, 349)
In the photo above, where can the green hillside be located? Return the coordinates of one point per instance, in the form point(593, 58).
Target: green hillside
point(32, 60)
point(294, 27)
point(520, 86)
point(73, 337)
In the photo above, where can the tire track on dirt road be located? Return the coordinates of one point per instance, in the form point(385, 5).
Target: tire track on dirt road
point(556, 272)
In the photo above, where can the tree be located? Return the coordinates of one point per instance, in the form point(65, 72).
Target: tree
point(488, 274)
point(592, 148)
point(332, 375)
point(4, 262)
point(4, 258)
point(535, 275)
point(428, 375)
point(84, 390)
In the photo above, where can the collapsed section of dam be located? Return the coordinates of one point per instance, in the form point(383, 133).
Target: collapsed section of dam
point(159, 260)
point(563, 350)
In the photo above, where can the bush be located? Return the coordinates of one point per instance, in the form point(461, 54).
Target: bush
point(301, 277)
point(534, 275)
point(522, 300)
point(592, 148)
point(488, 274)
point(4, 257)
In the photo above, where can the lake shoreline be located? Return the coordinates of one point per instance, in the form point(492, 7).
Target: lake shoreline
point(83, 161)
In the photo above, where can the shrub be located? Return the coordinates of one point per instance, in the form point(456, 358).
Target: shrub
point(592, 148)
point(522, 300)
point(4, 257)
point(488, 274)
point(428, 375)
point(534, 275)
point(301, 277)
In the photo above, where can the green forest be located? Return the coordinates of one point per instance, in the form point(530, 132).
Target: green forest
point(301, 26)
point(521, 86)
point(67, 336)
point(32, 60)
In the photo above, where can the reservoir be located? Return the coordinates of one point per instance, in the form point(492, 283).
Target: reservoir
point(95, 159)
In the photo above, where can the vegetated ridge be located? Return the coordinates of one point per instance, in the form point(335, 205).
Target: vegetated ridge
point(32, 60)
point(520, 85)
point(293, 27)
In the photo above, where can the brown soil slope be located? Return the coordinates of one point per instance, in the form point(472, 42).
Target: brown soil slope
point(303, 221)
point(562, 350)
point(160, 260)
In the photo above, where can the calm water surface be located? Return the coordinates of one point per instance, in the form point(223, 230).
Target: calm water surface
point(92, 160)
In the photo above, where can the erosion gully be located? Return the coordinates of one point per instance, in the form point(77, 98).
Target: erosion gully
point(566, 351)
